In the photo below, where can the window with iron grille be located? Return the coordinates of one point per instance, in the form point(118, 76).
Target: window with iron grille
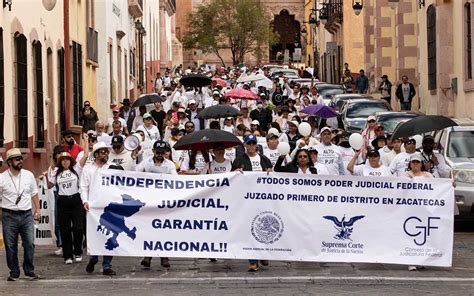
point(431, 38)
point(76, 81)
point(38, 91)
point(132, 63)
point(2, 91)
point(468, 41)
point(61, 90)
point(21, 90)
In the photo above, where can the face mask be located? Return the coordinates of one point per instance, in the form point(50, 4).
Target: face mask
point(259, 106)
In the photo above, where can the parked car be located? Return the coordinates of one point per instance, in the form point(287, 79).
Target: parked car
point(328, 90)
point(337, 101)
point(456, 144)
point(390, 120)
point(354, 113)
point(288, 73)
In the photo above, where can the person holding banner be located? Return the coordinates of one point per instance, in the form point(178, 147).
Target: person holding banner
point(18, 189)
point(399, 165)
point(159, 165)
point(373, 169)
point(252, 161)
point(100, 152)
point(219, 164)
point(70, 209)
point(301, 164)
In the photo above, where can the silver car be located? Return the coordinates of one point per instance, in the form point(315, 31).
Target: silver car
point(456, 144)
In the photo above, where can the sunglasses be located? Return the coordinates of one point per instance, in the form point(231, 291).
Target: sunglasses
point(116, 147)
point(148, 118)
point(302, 156)
point(87, 105)
point(190, 126)
point(371, 121)
point(104, 151)
point(92, 140)
point(18, 158)
point(411, 143)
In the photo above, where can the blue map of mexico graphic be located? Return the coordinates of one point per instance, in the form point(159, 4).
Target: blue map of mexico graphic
point(113, 220)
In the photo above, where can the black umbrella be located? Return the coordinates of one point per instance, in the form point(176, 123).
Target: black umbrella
point(218, 111)
point(207, 139)
point(195, 80)
point(422, 124)
point(147, 99)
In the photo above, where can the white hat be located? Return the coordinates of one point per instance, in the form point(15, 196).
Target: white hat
point(99, 145)
point(416, 156)
point(191, 102)
point(255, 122)
point(274, 131)
point(13, 152)
point(294, 122)
point(216, 92)
point(325, 129)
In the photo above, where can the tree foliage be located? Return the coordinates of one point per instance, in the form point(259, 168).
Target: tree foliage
point(243, 26)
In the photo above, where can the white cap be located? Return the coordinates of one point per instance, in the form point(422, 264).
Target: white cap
point(255, 122)
point(191, 102)
point(325, 129)
point(294, 122)
point(274, 131)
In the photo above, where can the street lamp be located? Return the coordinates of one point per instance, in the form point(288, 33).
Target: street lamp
point(357, 6)
point(303, 31)
point(324, 14)
point(313, 19)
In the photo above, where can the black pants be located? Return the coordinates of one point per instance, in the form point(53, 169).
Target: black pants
point(388, 100)
point(71, 224)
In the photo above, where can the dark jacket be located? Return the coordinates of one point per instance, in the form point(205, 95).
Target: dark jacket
point(240, 150)
point(88, 121)
point(131, 117)
point(290, 168)
point(243, 162)
point(399, 92)
point(201, 121)
point(362, 84)
point(264, 117)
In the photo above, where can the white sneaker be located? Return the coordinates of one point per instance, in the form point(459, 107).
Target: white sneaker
point(77, 259)
point(68, 261)
point(59, 252)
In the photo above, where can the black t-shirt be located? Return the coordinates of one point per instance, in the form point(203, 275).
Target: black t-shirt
point(159, 117)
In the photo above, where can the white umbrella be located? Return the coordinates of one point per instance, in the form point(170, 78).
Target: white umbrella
point(252, 78)
point(267, 83)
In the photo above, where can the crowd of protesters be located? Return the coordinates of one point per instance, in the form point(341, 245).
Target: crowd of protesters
point(264, 123)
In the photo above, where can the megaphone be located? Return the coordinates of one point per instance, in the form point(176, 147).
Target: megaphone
point(132, 142)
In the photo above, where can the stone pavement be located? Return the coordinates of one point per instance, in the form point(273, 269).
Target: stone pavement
point(231, 276)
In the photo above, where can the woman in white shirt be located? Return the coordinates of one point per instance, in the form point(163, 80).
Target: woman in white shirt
point(374, 168)
point(70, 208)
point(219, 164)
point(228, 125)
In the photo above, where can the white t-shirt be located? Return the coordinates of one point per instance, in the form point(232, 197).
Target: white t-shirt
point(406, 92)
point(367, 171)
point(222, 167)
point(330, 156)
point(230, 154)
point(151, 133)
point(399, 165)
point(272, 154)
point(123, 159)
point(229, 129)
point(255, 162)
point(321, 169)
point(11, 187)
point(200, 165)
point(149, 166)
point(68, 183)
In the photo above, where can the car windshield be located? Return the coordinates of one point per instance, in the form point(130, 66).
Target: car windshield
point(327, 92)
point(365, 109)
point(461, 144)
point(390, 123)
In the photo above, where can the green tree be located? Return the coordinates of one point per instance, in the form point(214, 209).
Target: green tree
point(243, 26)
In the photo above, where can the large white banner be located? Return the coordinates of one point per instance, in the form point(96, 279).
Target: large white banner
point(44, 228)
point(277, 217)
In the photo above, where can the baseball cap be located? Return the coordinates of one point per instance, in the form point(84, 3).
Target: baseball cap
point(116, 109)
point(371, 117)
point(416, 156)
point(255, 122)
point(192, 102)
point(216, 92)
point(373, 153)
point(250, 138)
point(161, 145)
point(411, 140)
point(146, 115)
point(271, 135)
point(325, 129)
point(294, 122)
point(117, 139)
point(428, 139)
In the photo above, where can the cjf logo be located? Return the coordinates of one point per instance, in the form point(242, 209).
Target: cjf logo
point(267, 227)
point(419, 229)
point(344, 228)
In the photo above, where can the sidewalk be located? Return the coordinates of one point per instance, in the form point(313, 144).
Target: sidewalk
point(190, 271)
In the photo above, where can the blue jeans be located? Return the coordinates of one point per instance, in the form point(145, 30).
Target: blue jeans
point(106, 261)
point(405, 106)
point(16, 223)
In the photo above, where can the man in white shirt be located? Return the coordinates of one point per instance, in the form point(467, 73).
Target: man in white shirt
point(100, 151)
point(17, 189)
point(158, 164)
point(371, 169)
point(329, 154)
point(433, 162)
point(399, 165)
point(121, 156)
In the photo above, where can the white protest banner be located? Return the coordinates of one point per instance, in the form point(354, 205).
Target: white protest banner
point(44, 228)
point(277, 217)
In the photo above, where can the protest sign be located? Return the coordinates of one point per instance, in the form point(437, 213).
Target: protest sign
point(44, 228)
point(278, 216)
